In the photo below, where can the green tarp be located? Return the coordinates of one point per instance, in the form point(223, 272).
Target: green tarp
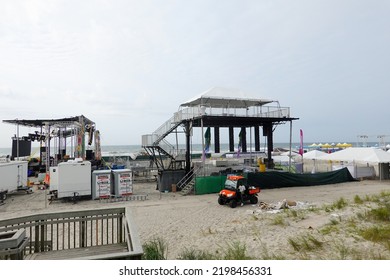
point(274, 179)
point(209, 184)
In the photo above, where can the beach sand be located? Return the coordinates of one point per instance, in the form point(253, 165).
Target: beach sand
point(198, 222)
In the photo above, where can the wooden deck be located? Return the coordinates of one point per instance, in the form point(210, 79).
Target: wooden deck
point(88, 234)
point(111, 251)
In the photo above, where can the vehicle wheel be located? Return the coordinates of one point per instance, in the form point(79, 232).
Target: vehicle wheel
point(221, 201)
point(254, 199)
point(233, 203)
point(4, 196)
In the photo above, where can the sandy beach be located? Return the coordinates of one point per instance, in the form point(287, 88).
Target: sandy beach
point(198, 222)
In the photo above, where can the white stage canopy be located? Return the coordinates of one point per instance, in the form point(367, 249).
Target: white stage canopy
point(218, 97)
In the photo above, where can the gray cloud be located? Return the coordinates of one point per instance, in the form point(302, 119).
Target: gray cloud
point(117, 62)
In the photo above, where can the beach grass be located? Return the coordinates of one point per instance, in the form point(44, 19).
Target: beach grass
point(155, 249)
point(233, 251)
point(279, 220)
point(236, 251)
point(194, 254)
point(306, 242)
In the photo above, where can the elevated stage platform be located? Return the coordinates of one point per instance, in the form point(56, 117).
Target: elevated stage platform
point(217, 108)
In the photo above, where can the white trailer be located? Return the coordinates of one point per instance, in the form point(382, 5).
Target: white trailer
point(71, 179)
point(13, 177)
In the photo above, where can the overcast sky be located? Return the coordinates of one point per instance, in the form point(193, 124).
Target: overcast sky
point(127, 65)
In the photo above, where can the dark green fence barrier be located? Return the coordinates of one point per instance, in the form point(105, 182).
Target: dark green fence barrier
point(209, 184)
point(273, 179)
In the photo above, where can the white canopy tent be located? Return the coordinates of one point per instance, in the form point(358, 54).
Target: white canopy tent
point(287, 153)
point(362, 161)
point(282, 160)
point(314, 154)
point(361, 155)
point(309, 160)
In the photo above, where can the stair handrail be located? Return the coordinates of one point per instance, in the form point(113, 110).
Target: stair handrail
point(167, 147)
point(165, 129)
point(188, 177)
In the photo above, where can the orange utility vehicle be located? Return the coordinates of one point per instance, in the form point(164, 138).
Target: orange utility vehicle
point(231, 193)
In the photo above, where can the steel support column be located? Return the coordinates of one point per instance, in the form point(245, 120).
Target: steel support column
point(243, 140)
point(188, 146)
point(267, 131)
point(231, 139)
point(257, 139)
point(217, 146)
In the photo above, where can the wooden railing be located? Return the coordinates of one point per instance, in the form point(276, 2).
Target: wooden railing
point(91, 229)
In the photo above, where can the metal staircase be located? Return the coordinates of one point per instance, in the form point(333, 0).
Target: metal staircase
point(189, 188)
point(187, 183)
point(164, 154)
point(166, 128)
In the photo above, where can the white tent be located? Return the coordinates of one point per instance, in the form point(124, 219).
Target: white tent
point(363, 155)
point(218, 97)
point(293, 153)
point(314, 154)
point(283, 160)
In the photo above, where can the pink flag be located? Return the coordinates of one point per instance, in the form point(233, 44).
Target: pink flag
point(301, 143)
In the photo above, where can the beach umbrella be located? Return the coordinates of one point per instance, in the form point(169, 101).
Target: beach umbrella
point(313, 146)
point(346, 145)
point(327, 145)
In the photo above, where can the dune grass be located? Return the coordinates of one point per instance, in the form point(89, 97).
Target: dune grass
point(155, 249)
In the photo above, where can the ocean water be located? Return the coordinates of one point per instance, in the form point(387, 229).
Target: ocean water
point(135, 149)
point(195, 148)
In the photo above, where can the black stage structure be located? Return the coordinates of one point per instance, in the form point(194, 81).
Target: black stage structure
point(216, 122)
point(218, 108)
point(59, 130)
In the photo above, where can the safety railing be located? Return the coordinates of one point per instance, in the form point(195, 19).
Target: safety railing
point(78, 229)
point(194, 112)
point(258, 112)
